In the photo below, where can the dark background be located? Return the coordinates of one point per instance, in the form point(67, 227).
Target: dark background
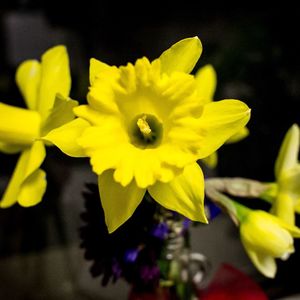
point(255, 54)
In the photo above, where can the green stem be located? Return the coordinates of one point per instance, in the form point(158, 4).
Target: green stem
point(217, 189)
point(241, 210)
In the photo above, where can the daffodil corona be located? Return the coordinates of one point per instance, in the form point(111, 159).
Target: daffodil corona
point(21, 129)
point(144, 128)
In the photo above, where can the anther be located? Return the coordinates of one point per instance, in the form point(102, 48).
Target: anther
point(144, 126)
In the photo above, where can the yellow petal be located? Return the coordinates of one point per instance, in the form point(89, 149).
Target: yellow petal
point(206, 79)
point(118, 202)
point(105, 145)
point(283, 208)
point(297, 206)
point(96, 67)
point(184, 194)
point(288, 153)
point(28, 78)
point(293, 230)
point(211, 160)
point(32, 189)
point(18, 126)
point(102, 94)
point(91, 115)
point(10, 195)
point(100, 137)
point(264, 233)
point(36, 156)
point(266, 264)
point(29, 161)
point(243, 133)
point(61, 113)
point(125, 167)
point(182, 56)
point(289, 181)
point(106, 159)
point(55, 78)
point(174, 155)
point(146, 167)
point(10, 148)
point(219, 121)
point(65, 137)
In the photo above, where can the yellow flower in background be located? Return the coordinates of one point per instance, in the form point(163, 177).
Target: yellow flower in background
point(21, 129)
point(206, 82)
point(287, 174)
point(266, 237)
point(144, 128)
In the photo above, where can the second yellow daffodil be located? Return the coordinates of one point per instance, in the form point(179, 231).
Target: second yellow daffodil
point(44, 86)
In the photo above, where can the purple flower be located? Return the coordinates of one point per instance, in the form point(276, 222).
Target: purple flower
point(116, 269)
point(212, 209)
point(149, 273)
point(131, 255)
point(160, 230)
point(186, 224)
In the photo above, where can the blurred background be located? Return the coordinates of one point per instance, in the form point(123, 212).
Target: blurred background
point(256, 57)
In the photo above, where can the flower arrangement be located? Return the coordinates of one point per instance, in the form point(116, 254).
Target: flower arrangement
point(148, 127)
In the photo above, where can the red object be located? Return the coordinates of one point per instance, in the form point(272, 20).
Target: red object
point(158, 294)
point(230, 283)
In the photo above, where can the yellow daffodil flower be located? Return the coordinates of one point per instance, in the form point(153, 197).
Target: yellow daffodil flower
point(287, 173)
point(206, 82)
point(266, 237)
point(21, 129)
point(145, 127)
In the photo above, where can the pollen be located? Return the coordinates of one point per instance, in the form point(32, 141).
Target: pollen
point(144, 126)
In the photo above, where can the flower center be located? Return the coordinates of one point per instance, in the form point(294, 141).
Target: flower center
point(144, 127)
point(146, 131)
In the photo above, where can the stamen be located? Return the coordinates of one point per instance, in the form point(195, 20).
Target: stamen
point(146, 131)
point(144, 126)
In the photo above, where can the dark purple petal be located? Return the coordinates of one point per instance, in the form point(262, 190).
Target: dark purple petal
point(212, 209)
point(160, 230)
point(116, 269)
point(186, 224)
point(149, 273)
point(131, 255)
